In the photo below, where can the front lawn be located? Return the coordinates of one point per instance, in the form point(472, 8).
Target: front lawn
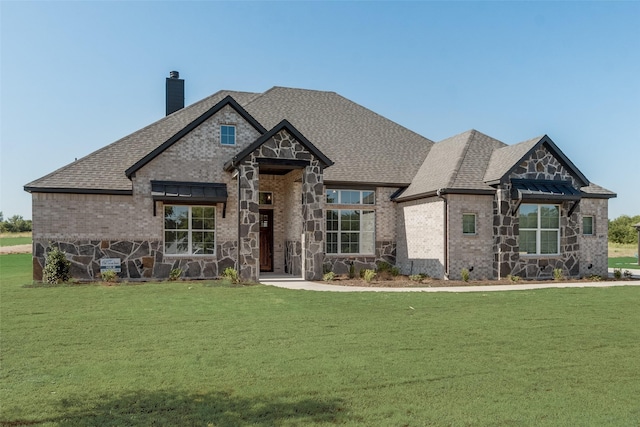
point(185, 353)
point(624, 263)
point(12, 239)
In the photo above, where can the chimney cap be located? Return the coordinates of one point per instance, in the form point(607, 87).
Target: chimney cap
point(174, 75)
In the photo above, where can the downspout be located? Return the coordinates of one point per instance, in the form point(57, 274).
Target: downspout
point(440, 194)
point(237, 176)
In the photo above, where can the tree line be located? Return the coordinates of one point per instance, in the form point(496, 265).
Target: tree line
point(622, 230)
point(15, 224)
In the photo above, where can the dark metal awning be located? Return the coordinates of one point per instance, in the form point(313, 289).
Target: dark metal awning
point(188, 192)
point(527, 189)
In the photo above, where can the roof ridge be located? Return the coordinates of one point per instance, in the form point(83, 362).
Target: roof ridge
point(465, 150)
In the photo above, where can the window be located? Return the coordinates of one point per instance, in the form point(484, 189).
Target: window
point(227, 135)
point(540, 229)
point(587, 225)
point(189, 230)
point(351, 197)
point(266, 198)
point(468, 223)
point(350, 231)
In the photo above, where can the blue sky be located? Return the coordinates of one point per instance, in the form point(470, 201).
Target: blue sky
point(76, 76)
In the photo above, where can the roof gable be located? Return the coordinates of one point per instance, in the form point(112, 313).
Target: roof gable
point(228, 100)
point(283, 125)
point(506, 160)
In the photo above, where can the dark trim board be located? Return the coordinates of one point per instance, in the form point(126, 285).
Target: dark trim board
point(78, 191)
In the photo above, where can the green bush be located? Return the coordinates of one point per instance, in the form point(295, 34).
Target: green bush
point(557, 274)
point(621, 229)
point(231, 274)
point(395, 271)
point(109, 276)
point(617, 273)
point(418, 277)
point(329, 276)
point(369, 275)
point(514, 278)
point(382, 266)
point(57, 268)
point(352, 271)
point(464, 274)
point(175, 274)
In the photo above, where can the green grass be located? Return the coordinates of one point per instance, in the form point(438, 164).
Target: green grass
point(624, 263)
point(196, 354)
point(12, 239)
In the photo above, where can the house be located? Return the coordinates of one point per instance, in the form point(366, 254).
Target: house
point(301, 181)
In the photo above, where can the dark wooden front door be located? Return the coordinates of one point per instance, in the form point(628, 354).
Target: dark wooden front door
point(266, 240)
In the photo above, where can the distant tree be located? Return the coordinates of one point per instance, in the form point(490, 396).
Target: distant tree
point(621, 229)
point(1, 217)
point(17, 224)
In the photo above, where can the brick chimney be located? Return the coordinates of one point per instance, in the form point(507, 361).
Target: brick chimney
point(175, 92)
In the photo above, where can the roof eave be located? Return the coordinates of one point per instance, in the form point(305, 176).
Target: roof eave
point(103, 191)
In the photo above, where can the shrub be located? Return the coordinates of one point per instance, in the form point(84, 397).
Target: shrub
point(557, 274)
point(395, 271)
point(231, 274)
point(627, 274)
point(57, 267)
point(369, 275)
point(464, 274)
point(328, 276)
point(418, 277)
point(595, 278)
point(617, 273)
point(352, 271)
point(109, 276)
point(175, 274)
point(513, 278)
point(383, 266)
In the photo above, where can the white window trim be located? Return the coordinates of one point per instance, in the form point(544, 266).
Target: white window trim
point(593, 225)
point(235, 135)
point(190, 233)
point(360, 232)
point(539, 229)
point(475, 224)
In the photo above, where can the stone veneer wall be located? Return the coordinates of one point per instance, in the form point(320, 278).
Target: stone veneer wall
point(473, 252)
point(507, 259)
point(420, 237)
point(282, 146)
point(595, 248)
point(140, 260)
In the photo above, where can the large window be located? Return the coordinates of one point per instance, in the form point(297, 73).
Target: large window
point(350, 231)
point(539, 229)
point(350, 197)
point(189, 230)
point(227, 135)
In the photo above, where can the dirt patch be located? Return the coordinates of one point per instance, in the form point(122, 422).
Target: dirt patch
point(405, 282)
point(17, 249)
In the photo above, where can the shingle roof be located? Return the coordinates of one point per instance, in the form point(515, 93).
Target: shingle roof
point(503, 159)
point(365, 146)
point(458, 162)
point(595, 191)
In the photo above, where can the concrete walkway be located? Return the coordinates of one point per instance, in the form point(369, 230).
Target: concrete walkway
point(289, 282)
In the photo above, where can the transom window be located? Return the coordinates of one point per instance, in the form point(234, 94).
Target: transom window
point(587, 225)
point(468, 223)
point(351, 197)
point(227, 135)
point(539, 229)
point(350, 231)
point(189, 230)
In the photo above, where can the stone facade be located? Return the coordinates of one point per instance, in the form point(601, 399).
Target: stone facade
point(507, 258)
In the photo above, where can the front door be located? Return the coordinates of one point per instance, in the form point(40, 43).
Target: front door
point(266, 240)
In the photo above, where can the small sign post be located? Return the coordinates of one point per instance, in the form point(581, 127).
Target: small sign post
point(110, 264)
